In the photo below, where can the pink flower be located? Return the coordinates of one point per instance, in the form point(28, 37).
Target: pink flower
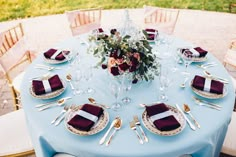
point(137, 56)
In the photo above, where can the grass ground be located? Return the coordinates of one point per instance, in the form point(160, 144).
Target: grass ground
point(13, 9)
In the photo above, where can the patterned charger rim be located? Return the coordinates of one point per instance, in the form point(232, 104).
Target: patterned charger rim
point(151, 127)
point(49, 95)
point(208, 94)
point(99, 126)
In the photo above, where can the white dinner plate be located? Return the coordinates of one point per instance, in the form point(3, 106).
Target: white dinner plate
point(98, 126)
point(151, 127)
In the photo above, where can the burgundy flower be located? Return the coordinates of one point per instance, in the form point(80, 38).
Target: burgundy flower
point(124, 66)
point(115, 71)
point(135, 81)
point(132, 68)
point(113, 31)
point(104, 66)
point(134, 61)
point(100, 30)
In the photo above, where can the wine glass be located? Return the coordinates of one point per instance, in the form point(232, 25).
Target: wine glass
point(88, 74)
point(165, 79)
point(188, 59)
point(68, 55)
point(115, 90)
point(126, 86)
point(77, 80)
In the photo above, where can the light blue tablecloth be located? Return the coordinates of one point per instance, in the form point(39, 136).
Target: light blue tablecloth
point(204, 142)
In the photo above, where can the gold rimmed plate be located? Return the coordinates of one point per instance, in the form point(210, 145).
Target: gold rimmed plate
point(53, 61)
point(48, 95)
point(196, 59)
point(208, 94)
point(151, 127)
point(97, 127)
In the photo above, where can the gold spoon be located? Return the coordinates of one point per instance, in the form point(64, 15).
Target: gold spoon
point(69, 78)
point(59, 103)
point(187, 110)
point(94, 102)
point(117, 127)
point(183, 85)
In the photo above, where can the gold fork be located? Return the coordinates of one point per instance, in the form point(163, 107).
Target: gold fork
point(133, 127)
point(137, 122)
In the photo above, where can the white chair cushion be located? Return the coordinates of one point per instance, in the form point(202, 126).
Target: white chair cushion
point(14, 137)
point(17, 81)
point(229, 146)
point(63, 155)
point(234, 82)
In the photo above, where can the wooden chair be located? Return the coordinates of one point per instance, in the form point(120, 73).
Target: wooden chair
point(161, 19)
point(229, 146)
point(15, 140)
point(82, 21)
point(13, 59)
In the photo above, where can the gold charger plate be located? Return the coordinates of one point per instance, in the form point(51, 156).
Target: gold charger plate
point(208, 94)
point(151, 127)
point(98, 126)
point(48, 95)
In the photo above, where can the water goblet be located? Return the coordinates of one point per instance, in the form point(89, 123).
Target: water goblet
point(88, 74)
point(188, 59)
point(115, 90)
point(68, 55)
point(77, 82)
point(165, 79)
point(126, 86)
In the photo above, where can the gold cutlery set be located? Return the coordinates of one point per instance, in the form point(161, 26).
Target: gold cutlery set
point(137, 123)
point(116, 124)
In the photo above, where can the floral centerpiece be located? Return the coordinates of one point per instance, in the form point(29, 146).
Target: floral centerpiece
point(126, 54)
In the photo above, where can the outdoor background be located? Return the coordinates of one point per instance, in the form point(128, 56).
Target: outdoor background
point(14, 9)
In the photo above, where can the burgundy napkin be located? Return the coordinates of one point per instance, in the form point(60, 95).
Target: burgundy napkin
point(165, 124)
point(48, 54)
point(54, 81)
point(215, 87)
point(151, 33)
point(202, 53)
point(82, 123)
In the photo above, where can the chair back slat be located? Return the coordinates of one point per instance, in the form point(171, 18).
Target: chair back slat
point(157, 18)
point(82, 21)
point(10, 37)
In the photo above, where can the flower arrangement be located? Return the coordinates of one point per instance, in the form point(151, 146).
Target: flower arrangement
point(126, 55)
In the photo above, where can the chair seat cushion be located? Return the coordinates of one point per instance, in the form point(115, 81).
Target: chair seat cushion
point(234, 82)
point(17, 81)
point(229, 146)
point(14, 136)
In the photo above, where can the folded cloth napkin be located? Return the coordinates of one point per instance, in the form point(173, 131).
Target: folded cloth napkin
point(208, 85)
point(196, 52)
point(55, 54)
point(86, 117)
point(46, 86)
point(151, 33)
point(161, 117)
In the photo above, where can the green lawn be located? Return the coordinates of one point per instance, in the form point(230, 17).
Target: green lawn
point(13, 9)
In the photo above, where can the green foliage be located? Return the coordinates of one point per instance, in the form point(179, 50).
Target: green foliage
point(14, 9)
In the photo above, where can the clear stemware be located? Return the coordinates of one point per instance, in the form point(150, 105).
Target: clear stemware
point(126, 86)
point(165, 79)
point(68, 55)
point(188, 59)
point(77, 82)
point(88, 74)
point(115, 90)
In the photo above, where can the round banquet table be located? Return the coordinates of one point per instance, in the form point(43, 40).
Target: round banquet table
point(204, 142)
